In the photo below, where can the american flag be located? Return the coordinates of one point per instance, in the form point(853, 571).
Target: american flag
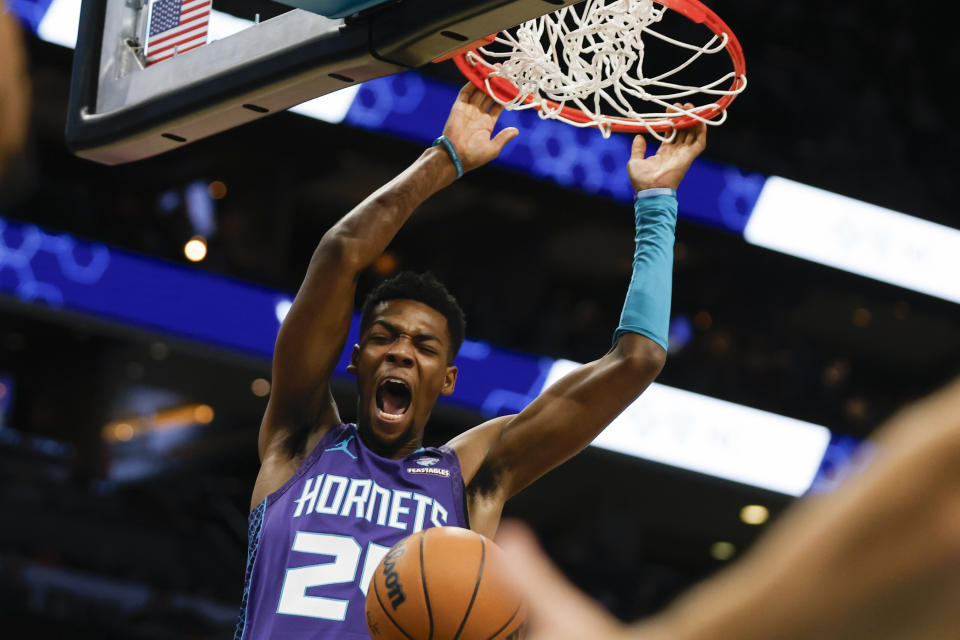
point(175, 26)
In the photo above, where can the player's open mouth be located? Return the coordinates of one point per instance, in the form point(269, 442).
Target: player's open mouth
point(393, 399)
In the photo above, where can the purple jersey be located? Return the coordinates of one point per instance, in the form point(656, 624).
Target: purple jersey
point(316, 541)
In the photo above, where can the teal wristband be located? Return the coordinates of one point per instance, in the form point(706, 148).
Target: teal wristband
point(453, 153)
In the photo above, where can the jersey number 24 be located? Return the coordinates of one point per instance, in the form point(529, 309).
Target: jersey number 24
point(345, 552)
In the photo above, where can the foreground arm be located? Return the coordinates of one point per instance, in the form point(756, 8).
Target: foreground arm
point(313, 333)
point(879, 559)
point(14, 89)
point(503, 456)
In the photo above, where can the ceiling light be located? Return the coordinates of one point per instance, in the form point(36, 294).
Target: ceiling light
point(195, 249)
point(722, 550)
point(217, 189)
point(260, 387)
point(755, 514)
point(203, 413)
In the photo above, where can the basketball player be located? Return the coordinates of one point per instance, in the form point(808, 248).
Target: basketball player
point(878, 559)
point(331, 498)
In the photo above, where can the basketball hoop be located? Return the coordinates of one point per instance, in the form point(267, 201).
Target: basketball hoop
point(583, 65)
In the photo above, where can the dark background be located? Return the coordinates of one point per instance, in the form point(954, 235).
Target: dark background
point(845, 96)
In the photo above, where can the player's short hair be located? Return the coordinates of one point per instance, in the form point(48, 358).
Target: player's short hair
point(424, 288)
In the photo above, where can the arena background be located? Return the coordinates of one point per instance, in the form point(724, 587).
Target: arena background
point(129, 416)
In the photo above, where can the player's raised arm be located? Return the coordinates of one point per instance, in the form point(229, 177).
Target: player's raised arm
point(313, 333)
point(506, 454)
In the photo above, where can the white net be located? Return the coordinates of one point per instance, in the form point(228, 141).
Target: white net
point(590, 56)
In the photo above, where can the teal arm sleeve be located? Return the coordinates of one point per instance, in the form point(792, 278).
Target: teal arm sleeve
point(646, 309)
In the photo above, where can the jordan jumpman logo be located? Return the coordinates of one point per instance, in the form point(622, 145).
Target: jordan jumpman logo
point(343, 447)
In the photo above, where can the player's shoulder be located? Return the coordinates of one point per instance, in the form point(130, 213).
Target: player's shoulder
point(290, 434)
point(289, 454)
point(473, 446)
point(475, 437)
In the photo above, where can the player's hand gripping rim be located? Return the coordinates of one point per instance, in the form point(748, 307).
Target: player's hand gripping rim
point(670, 163)
point(470, 125)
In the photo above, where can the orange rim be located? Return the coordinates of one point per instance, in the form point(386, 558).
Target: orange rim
point(505, 91)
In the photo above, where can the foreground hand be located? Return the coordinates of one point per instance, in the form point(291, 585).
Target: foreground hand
point(556, 609)
point(470, 126)
point(14, 89)
point(667, 167)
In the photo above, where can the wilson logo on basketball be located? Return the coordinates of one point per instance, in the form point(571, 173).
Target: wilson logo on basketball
point(390, 578)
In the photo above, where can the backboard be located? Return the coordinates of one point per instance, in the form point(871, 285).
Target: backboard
point(121, 110)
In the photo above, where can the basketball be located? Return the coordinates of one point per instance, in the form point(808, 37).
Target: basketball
point(444, 583)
